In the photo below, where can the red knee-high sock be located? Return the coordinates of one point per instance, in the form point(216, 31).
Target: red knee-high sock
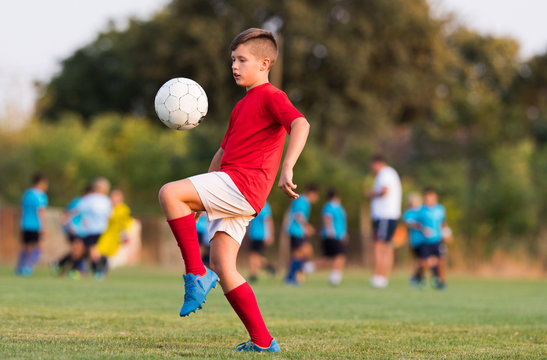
point(243, 301)
point(184, 229)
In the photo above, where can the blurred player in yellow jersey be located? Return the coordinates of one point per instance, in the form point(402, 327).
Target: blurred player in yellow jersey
point(119, 221)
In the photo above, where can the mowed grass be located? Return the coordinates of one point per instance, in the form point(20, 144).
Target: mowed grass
point(133, 314)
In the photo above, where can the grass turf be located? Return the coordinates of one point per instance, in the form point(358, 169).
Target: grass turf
point(133, 314)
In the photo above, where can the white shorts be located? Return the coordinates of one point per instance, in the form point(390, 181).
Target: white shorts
point(226, 207)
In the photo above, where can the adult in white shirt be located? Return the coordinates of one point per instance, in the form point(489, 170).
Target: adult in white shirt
point(385, 210)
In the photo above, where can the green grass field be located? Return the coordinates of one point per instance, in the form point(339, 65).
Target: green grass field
point(134, 315)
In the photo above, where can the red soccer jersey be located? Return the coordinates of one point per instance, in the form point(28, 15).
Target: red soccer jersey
point(253, 144)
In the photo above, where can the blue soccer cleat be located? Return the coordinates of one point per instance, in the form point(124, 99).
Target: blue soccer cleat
point(417, 282)
point(196, 288)
point(438, 284)
point(25, 271)
point(250, 346)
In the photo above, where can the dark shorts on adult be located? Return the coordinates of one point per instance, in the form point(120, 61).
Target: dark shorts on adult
point(383, 229)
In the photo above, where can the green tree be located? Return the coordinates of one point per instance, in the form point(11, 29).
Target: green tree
point(448, 106)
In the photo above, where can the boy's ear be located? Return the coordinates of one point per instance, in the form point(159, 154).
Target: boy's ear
point(265, 64)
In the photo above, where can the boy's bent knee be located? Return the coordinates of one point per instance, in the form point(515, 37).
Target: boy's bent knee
point(168, 192)
point(181, 190)
point(165, 192)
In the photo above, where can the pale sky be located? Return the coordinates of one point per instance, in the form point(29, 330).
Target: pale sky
point(523, 20)
point(35, 35)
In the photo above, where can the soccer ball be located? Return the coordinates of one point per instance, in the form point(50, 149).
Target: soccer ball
point(181, 104)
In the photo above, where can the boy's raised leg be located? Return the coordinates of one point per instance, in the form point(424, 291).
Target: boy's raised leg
point(239, 294)
point(184, 230)
point(178, 200)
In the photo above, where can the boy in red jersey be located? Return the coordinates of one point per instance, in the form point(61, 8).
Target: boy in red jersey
point(239, 180)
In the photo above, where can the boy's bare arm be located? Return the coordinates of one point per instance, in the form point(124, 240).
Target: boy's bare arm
point(215, 163)
point(300, 129)
point(42, 216)
point(271, 230)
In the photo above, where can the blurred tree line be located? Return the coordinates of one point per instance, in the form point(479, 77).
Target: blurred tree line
point(449, 107)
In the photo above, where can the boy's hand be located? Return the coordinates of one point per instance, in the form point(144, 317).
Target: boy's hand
point(285, 183)
point(299, 133)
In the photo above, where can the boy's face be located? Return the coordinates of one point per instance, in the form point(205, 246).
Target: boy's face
point(431, 198)
point(312, 196)
point(42, 185)
point(116, 196)
point(414, 202)
point(247, 69)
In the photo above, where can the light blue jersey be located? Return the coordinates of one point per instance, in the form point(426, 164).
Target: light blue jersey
point(300, 206)
point(94, 210)
point(202, 230)
point(258, 231)
point(74, 220)
point(432, 217)
point(33, 201)
point(72, 205)
point(201, 225)
point(415, 237)
point(338, 228)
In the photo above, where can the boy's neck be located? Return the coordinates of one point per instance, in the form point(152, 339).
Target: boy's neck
point(258, 83)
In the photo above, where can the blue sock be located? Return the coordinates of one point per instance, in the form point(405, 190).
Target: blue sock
point(296, 265)
point(23, 255)
point(32, 259)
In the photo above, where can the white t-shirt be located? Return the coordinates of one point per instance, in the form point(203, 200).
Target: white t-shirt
point(387, 206)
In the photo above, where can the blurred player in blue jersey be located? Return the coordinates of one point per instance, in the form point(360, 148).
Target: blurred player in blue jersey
point(334, 235)
point(415, 235)
point(261, 233)
point(299, 229)
point(432, 217)
point(203, 237)
point(95, 209)
point(33, 225)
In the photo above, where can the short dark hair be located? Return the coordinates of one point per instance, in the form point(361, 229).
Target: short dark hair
point(430, 190)
point(312, 187)
point(332, 193)
point(377, 158)
point(263, 43)
point(38, 178)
